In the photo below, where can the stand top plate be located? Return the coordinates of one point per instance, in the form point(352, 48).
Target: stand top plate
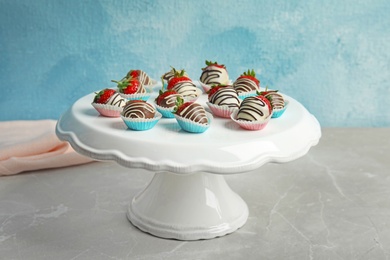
point(224, 148)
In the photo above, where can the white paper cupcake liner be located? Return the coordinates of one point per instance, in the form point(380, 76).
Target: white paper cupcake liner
point(108, 110)
point(250, 125)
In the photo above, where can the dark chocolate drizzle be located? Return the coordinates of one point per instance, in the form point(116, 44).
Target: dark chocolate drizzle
point(243, 85)
point(225, 96)
point(251, 109)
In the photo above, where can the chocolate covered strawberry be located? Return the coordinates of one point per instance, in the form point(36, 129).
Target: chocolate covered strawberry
point(254, 108)
point(167, 98)
point(275, 98)
point(214, 89)
point(214, 73)
point(183, 85)
point(141, 75)
point(103, 96)
point(178, 77)
point(251, 74)
point(266, 101)
point(130, 86)
point(247, 82)
point(138, 109)
point(192, 111)
point(166, 77)
point(108, 102)
point(223, 95)
point(133, 73)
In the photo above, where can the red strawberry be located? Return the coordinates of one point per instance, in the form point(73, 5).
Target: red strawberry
point(133, 74)
point(250, 74)
point(266, 91)
point(214, 89)
point(178, 77)
point(162, 95)
point(128, 85)
point(181, 105)
point(266, 101)
point(103, 96)
point(210, 63)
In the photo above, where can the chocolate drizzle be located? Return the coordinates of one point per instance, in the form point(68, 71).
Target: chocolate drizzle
point(214, 75)
point(116, 100)
point(276, 99)
point(143, 78)
point(195, 112)
point(138, 109)
point(186, 89)
point(170, 74)
point(253, 109)
point(225, 96)
point(169, 101)
point(242, 85)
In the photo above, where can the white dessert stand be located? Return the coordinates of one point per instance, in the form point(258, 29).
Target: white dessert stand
point(188, 198)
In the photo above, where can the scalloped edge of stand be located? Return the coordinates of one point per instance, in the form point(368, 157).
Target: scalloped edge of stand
point(162, 230)
point(143, 163)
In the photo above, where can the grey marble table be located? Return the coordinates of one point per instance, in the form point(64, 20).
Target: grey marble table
point(333, 203)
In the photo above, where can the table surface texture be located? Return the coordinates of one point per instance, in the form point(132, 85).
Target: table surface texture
point(332, 203)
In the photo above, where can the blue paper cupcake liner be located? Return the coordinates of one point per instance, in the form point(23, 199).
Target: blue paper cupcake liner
point(192, 127)
point(278, 112)
point(143, 96)
point(139, 124)
point(165, 111)
point(244, 95)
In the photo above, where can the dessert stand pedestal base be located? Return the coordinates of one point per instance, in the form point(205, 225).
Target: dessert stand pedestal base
point(188, 207)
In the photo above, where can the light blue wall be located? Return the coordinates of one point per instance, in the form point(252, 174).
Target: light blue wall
point(332, 56)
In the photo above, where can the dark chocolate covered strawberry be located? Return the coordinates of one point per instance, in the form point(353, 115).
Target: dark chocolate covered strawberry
point(138, 109)
point(183, 85)
point(167, 98)
point(192, 111)
point(130, 86)
point(141, 75)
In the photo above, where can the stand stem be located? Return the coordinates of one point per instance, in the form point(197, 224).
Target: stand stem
point(188, 207)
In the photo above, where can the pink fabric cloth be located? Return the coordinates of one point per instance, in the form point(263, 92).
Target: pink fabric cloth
point(33, 145)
